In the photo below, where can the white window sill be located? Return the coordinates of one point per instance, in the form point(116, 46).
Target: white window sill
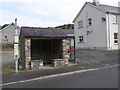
point(81, 42)
point(116, 44)
point(115, 23)
point(80, 27)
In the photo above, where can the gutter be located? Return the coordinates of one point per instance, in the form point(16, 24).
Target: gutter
point(112, 13)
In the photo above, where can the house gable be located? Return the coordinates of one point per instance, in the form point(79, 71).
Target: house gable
point(103, 8)
point(8, 33)
point(11, 24)
point(90, 4)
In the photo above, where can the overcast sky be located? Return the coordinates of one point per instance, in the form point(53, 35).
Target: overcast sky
point(43, 13)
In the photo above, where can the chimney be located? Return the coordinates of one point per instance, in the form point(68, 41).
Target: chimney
point(96, 2)
point(15, 22)
point(16, 26)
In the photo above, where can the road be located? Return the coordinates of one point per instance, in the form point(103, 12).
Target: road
point(104, 78)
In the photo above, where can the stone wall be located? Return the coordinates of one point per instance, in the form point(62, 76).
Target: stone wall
point(65, 50)
point(27, 53)
point(65, 54)
point(96, 55)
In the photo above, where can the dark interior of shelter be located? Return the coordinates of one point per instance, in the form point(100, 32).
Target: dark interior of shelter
point(46, 50)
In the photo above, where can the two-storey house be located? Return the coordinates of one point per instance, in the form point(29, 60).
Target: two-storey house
point(96, 26)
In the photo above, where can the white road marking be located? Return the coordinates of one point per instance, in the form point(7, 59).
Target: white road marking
point(93, 69)
point(50, 76)
point(81, 71)
point(55, 75)
point(67, 73)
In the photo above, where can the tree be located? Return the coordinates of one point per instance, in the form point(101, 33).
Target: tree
point(66, 26)
point(4, 26)
point(0, 27)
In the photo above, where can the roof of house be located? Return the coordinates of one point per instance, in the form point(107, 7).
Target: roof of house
point(104, 8)
point(9, 26)
point(50, 32)
point(110, 9)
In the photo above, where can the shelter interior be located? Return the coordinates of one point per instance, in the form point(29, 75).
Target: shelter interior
point(46, 49)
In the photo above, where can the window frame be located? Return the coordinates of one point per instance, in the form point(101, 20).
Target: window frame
point(89, 21)
point(116, 38)
point(81, 39)
point(80, 24)
point(115, 19)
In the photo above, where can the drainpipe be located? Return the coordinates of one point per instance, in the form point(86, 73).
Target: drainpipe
point(87, 29)
point(109, 30)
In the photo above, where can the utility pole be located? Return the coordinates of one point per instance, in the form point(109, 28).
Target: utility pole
point(16, 46)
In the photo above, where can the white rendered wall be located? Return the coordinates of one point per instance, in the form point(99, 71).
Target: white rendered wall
point(113, 28)
point(98, 37)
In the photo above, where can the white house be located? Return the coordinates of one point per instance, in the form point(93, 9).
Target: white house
point(96, 26)
point(7, 34)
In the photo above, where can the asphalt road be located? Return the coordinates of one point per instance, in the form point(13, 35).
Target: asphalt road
point(104, 78)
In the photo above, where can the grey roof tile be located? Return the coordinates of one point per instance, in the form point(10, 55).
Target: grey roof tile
point(36, 31)
point(107, 8)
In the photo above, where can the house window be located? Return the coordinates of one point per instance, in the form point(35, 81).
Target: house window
point(81, 39)
point(115, 19)
point(115, 38)
point(89, 22)
point(80, 24)
point(5, 36)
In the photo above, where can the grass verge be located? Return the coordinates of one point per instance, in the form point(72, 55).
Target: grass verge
point(7, 69)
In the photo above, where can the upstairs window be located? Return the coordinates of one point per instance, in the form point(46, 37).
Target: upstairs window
point(115, 19)
point(5, 36)
point(80, 24)
point(81, 39)
point(116, 38)
point(89, 22)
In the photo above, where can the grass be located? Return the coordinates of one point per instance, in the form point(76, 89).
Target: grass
point(7, 69)
point(7, 49)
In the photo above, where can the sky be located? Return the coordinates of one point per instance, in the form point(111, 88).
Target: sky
point(43, 13)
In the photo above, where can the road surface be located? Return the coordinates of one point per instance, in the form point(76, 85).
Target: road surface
point(104, 78)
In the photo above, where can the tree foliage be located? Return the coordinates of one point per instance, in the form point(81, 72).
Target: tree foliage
point(66, 26)
point(0, 27)
point(4, 26)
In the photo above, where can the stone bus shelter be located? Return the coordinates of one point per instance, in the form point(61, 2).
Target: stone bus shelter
point(46, 46)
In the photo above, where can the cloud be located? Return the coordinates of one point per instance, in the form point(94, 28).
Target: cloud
point(42, 12)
